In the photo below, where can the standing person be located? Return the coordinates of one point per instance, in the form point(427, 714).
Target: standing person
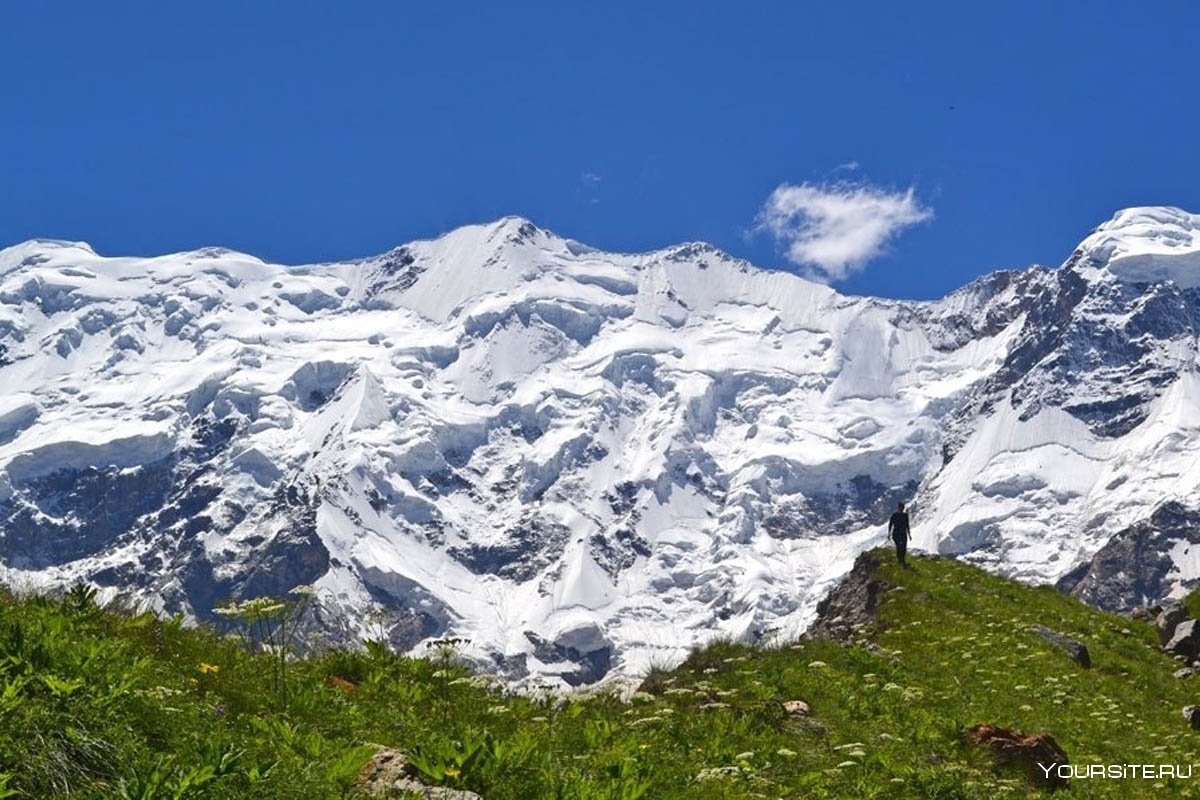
point(898, 532)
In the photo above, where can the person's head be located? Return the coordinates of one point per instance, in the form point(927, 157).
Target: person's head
point(900, 506)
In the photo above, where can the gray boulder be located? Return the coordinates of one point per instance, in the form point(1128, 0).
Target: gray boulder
point(1077, 651)
point(1192, 715)
point(796, 708)
point(1185, 642)
point(387, 775)
point(1168, 619)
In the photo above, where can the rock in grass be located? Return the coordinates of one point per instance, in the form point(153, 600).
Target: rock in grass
point(1169, 617)
point(1186, 672)
point(1038, 753)
point(1075, 649)
point(1192, 715)
point(1185, 642)
point(387, 775)
point(796, 708)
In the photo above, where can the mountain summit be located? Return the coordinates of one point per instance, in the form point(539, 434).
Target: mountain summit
point(583, 461)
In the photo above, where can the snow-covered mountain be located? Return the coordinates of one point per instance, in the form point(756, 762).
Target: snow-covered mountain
point(585, 461)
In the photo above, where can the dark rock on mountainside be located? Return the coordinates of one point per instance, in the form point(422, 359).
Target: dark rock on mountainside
point(1192, 715)
point(852, 604)
point(1076, 650)
point(1168, 619)
point(848, 506)
point(1134, 566)
point(1185, 641)
point(585, 648)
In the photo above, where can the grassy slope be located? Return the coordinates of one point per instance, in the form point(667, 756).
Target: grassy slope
point(104, 705)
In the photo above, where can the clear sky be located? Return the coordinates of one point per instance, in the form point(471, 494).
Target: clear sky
point(303, 132)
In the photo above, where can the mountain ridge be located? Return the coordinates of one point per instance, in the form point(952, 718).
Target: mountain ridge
point(584, 461)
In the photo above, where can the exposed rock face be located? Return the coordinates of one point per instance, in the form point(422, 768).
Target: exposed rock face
point(1036, 753)
point(584, 646)
point(852, 604)
point(1135, 565)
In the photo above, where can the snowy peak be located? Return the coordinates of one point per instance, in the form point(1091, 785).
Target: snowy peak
point(1148, 244)
point(583, 461)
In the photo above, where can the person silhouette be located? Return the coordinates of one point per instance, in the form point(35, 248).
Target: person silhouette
point(898, 532)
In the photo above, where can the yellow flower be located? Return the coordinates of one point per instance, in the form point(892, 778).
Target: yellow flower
point(453, 772)
point(209, 669)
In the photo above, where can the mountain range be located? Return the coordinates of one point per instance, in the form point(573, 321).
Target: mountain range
point(586, 463)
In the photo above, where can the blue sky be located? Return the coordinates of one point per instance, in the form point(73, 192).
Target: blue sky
point(304, 132)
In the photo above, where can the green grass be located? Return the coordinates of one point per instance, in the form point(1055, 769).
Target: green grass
point(100, 704)
point(1192, 603)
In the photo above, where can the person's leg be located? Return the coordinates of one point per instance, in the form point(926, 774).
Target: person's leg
point(901, 548)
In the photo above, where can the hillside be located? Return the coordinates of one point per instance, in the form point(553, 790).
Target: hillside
point(103, 704)
point(588, 462)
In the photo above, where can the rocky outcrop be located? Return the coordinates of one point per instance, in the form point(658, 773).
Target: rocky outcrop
point(852, 604)
point(1135, 565)
point(387, 775)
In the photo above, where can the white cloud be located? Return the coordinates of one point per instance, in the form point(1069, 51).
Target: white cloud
point(833, 230)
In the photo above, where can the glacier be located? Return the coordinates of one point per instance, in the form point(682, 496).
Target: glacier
point(587, 463)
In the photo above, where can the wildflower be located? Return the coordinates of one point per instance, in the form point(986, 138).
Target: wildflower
point(452, 772)
point(817, 665)
point(209, 669)
point(785, 753)
point(746, 756)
